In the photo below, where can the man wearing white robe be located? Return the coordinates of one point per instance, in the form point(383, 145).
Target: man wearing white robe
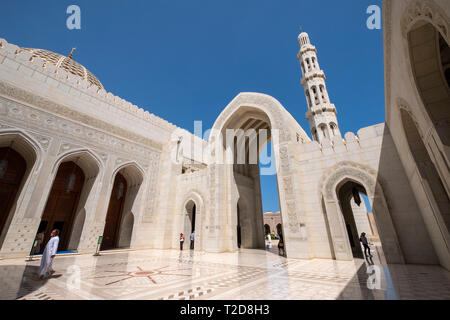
point(48, 255)
point(269, 241)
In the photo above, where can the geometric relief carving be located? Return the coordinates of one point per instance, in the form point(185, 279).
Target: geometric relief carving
point(424, 10)
point(339, 245)
point(38, 119)
point(348, 170)
point(44, 141)
point(65, 146)
point(288, 185)
point(50, 122)
point(292, 215)
point(57, 109)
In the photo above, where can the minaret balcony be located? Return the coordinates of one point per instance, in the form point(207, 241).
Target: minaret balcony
point(310, 75)
point(305, 48)
point(315, 110)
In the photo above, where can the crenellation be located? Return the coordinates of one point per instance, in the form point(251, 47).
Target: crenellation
point(367, 133)
point(24, 56)
point(11, 49)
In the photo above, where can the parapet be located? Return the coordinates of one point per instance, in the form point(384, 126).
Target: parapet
point(367, 137)
point(24, 62)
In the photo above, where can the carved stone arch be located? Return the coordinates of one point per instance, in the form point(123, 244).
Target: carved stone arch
point(195, 196)
point(417, 16)
point(356, 174)
point(428, 181)
point(402, 104)
point(25, 144)
point(93, 169)
point(346, 164)
point(428, 11)
point(267, 104)
point(32, 153)
point(334, 215)
point(88, 160)
point(134, 176)
point(426, 138)
point(295, 226)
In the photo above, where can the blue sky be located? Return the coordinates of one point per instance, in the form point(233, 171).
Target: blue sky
point(186, 60)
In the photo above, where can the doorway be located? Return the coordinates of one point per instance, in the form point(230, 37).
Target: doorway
point(62, 203)
point(115, 213)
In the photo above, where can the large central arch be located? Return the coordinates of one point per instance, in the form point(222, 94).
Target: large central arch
point(253, 111)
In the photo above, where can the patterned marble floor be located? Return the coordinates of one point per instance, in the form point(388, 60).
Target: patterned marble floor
point(248, 274)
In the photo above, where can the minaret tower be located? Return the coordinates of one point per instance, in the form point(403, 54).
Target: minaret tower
point(321, 113)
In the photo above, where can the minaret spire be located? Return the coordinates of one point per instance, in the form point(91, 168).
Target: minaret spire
point(321, 112)
point(71, 53)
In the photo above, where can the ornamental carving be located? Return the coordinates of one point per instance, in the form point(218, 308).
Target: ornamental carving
point(428, 11)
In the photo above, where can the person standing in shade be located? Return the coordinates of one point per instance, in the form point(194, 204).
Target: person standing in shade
point(39, 239)
point(365, 243)
point(281, 246)
point(181, 241)
point(192, 239)
point(51, 248)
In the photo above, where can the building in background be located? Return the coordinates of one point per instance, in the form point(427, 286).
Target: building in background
point(272, 223)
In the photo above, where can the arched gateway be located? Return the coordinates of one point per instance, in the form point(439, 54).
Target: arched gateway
point(241, 131)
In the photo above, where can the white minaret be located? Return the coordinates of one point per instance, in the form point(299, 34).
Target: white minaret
point(321, 113)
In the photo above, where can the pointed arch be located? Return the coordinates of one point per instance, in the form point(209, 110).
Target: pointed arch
point(27, 148)
point(193, 215)
point(256, 110)
point(366, 178)
point(92, 168)
point(126, 181)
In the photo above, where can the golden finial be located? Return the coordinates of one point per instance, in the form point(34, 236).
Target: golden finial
point(71, 53)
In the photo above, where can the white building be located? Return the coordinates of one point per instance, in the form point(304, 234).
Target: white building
point(77, 158)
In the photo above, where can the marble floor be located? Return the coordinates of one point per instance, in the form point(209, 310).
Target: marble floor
point(247, 274)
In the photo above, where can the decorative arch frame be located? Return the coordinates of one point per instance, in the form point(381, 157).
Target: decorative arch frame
point(129, 216)
point(79, 152)
point(134, 164)
point(427, 12)
point(34, 159)
point(197, 197)
point(366, 177)
point(433, 220)
point(294, 223)
point(93, 170)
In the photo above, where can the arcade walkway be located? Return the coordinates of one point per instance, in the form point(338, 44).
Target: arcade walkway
point(249, 274)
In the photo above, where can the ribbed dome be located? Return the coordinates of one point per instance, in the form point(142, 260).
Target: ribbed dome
point(66, 64)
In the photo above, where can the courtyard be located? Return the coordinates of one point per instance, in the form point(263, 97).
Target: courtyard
point(244, 275)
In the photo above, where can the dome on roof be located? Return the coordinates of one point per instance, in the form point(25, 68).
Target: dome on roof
point(66, 64)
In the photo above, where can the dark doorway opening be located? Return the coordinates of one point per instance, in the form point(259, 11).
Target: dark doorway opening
point(62, 203)
point(12, 171)
point(115, 213)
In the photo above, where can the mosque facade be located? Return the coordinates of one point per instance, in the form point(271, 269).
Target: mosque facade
point(78, 158)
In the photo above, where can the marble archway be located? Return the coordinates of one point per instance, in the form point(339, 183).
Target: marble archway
point(341, 247)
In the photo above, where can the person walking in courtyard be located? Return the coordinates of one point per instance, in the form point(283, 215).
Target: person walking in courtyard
point(365, 243)
point(192, 239)
point(51, 248)
point(281, 246)
point(269, 241)
point(181, 241)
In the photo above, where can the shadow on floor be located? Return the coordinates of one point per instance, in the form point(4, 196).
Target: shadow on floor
point(17, 281)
